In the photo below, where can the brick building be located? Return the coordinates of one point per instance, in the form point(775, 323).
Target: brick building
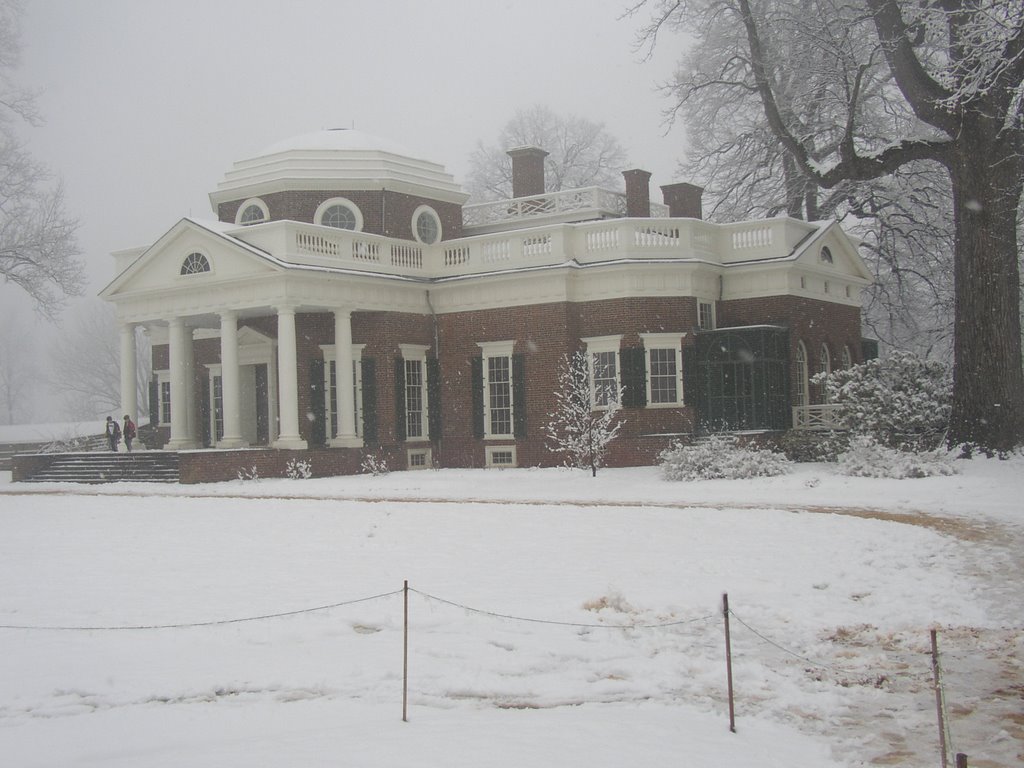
point(347, 300)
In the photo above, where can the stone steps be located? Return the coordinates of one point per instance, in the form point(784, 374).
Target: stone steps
point(94, 468)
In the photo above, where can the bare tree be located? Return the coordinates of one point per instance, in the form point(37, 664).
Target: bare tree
point(576, 430)
point(86, 364)
point(861, 91)
point(38, 247)
point(19, 373)
point(581, 153)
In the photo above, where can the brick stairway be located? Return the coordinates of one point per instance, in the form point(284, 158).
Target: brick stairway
point(105, 467)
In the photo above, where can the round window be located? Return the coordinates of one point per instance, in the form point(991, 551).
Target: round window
point(339, 217)
point(427, 226)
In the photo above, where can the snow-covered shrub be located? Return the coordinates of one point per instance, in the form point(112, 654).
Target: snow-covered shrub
point(902, 401)
point(374, 464)
point(249, 473)
point(720, 457)
point(868, 458)
point(806, 445)
point(298, 469)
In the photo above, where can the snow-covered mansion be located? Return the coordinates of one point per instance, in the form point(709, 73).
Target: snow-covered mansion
point(346, 301)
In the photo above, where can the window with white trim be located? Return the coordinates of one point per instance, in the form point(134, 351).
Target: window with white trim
point(414, 357)
point(664, 368)
point(824, 366)
point(195, 263)
point(603, 367)
point(340, 213)
point(216, 404)
point(846, 358)
point(706, 315)
point(801, 374)
point(426, 225)
point(499, 456)
point(499, 419)
point(252, 211)
point(331, 388)
point(418, 458)
point(163, 379)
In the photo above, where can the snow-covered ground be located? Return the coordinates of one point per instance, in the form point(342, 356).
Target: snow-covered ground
point(554, 619)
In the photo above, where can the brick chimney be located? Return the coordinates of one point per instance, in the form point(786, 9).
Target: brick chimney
point(638, 193)
point(527, 171)
point(683, 200)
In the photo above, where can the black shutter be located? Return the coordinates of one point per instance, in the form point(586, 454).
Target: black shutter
point(634, 377)
point(433, 398)
point(692, 384)
point(400, 399)
point(317, 403)
point(204, 410)
point(519, 396)
point(476, 366)
point(154, 402)
point(368, 370)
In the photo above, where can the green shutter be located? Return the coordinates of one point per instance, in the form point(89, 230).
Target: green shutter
point(400, 399)
point(368, 370)
point(692, 390)
point(634, 377)
point(476, 366)
point(317, 405)
point(519, 396)
point(433, 398)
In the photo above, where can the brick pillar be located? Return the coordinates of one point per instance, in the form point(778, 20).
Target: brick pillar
point(683, 200)
point(638, 193)
point(527, 171)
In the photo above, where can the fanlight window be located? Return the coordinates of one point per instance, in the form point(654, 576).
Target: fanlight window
point(826, 255)
point(194, 264)
point(251, 215)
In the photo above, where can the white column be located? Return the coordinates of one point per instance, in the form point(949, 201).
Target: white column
point(181, 384)
point(129, 389)
point(229, 382)
point(346, 437)
point(288, 381)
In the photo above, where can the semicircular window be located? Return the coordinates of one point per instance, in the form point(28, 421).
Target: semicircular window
point(339, 217)
point(195, 263)
point(253, 214)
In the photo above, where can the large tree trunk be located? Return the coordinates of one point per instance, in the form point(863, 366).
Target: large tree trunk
point(988, 383)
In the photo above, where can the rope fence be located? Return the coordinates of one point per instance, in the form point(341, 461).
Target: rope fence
point(945, 735)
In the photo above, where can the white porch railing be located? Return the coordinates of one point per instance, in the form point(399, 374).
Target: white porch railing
point(817, 417)
point(598, 201)
point(543, 245)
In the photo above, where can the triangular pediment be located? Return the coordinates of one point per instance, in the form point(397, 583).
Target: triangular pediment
point(212, 257)
point(830, 249)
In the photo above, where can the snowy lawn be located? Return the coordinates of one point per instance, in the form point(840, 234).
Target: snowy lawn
point(554, 619)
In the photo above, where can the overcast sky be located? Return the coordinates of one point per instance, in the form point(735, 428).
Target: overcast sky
point(147, 103)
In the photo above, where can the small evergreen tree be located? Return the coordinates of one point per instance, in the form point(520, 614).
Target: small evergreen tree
point(576, 430)
point(902, 401)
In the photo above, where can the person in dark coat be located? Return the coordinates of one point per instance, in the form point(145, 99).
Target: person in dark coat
point(113, 433)
point(129, 432)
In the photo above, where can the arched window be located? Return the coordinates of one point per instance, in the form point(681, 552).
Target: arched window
point(340, 214)
point(801, 374)
point(826, 255)
point(252, 211)
point(426, 225)
point(253, 214)
point(194, 264)
point(847, 358)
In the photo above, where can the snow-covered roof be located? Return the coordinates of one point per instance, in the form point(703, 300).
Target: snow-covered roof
point(337, 159)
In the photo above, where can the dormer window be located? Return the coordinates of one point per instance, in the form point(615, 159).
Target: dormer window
point(426, 225)
point(340, 214)
point(194, 264)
